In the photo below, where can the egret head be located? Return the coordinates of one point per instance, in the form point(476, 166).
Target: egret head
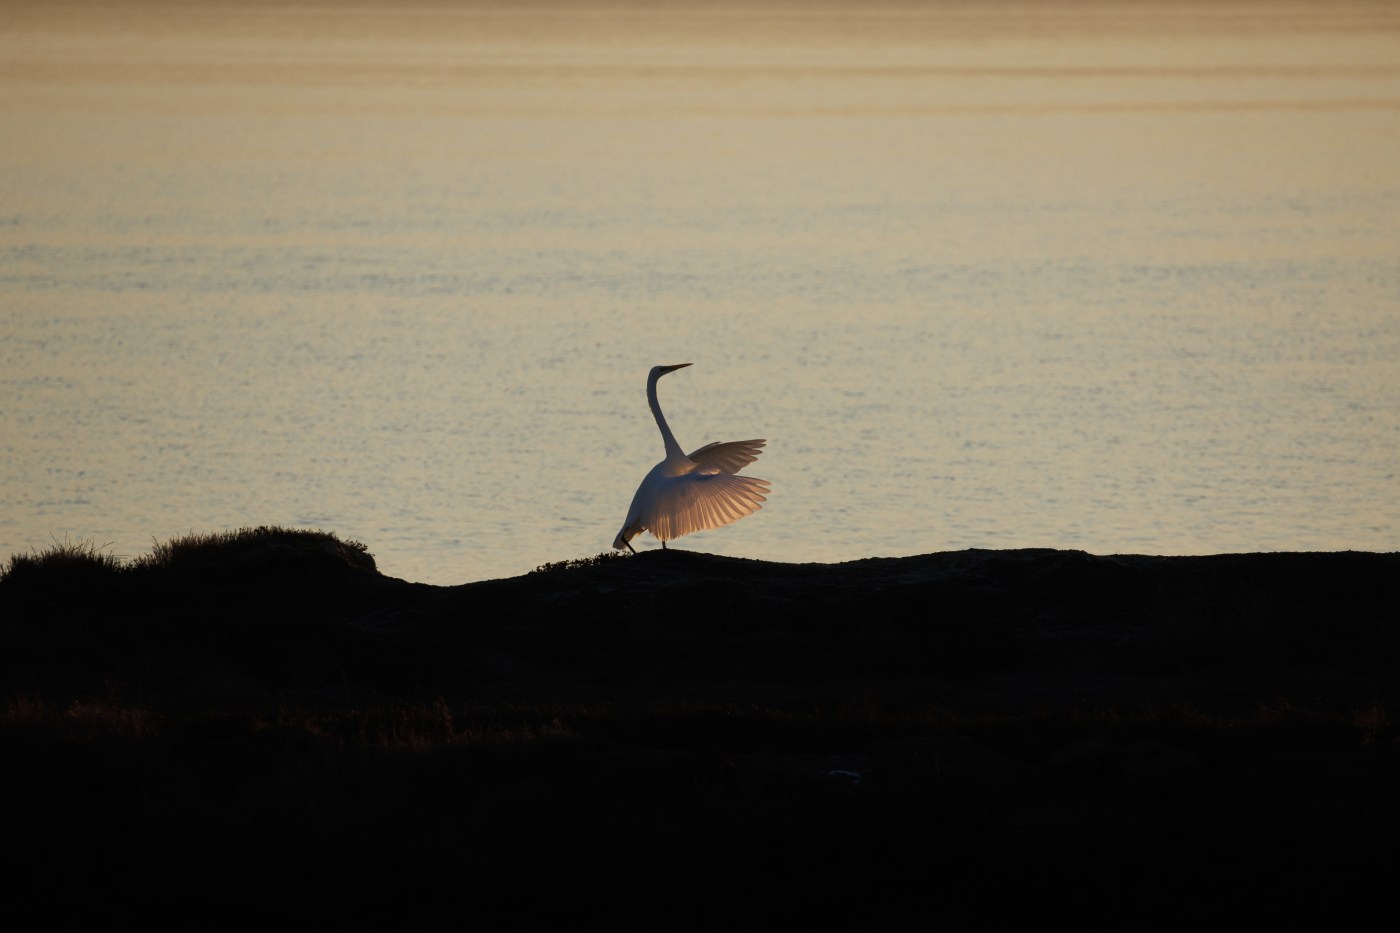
point(658, 371)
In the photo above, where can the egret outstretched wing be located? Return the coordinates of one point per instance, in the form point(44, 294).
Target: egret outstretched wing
point(727, 456)
point(684, 494)
point(681, 505)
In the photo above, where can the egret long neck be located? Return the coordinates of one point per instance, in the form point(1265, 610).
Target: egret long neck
point(672, 448)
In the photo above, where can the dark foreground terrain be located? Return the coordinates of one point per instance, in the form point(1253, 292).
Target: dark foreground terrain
point(261, 725)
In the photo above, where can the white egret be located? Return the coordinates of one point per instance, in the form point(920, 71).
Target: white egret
point(684, 493)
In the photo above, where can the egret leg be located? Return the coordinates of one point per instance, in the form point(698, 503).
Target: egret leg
point(663, 544)
point(630, 547)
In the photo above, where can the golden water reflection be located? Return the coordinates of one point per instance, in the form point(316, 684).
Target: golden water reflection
point(1118, 276)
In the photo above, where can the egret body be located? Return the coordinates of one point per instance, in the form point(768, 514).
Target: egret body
point(695, 491)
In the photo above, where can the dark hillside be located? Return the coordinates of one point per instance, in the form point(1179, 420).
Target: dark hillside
point(263, 722)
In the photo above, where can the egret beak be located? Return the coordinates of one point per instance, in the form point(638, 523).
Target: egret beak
point(671, 369)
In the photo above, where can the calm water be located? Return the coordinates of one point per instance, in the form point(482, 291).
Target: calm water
point(1120, 277)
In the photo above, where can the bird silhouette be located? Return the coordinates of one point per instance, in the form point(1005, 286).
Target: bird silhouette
point(695, 491)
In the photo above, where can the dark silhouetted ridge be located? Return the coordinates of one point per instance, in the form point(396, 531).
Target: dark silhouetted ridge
point(260, 720)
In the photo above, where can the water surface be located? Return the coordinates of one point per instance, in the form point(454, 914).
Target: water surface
point(1122, 277)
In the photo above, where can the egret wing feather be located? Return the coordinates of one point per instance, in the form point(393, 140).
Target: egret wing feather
point(684, 494)
point(727, 456)
point(681, 505)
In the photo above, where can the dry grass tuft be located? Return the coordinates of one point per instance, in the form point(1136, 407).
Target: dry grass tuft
point(198, 549)
point(72, 559)
point(579, 562)
point(81, 560)
point(98, 717)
